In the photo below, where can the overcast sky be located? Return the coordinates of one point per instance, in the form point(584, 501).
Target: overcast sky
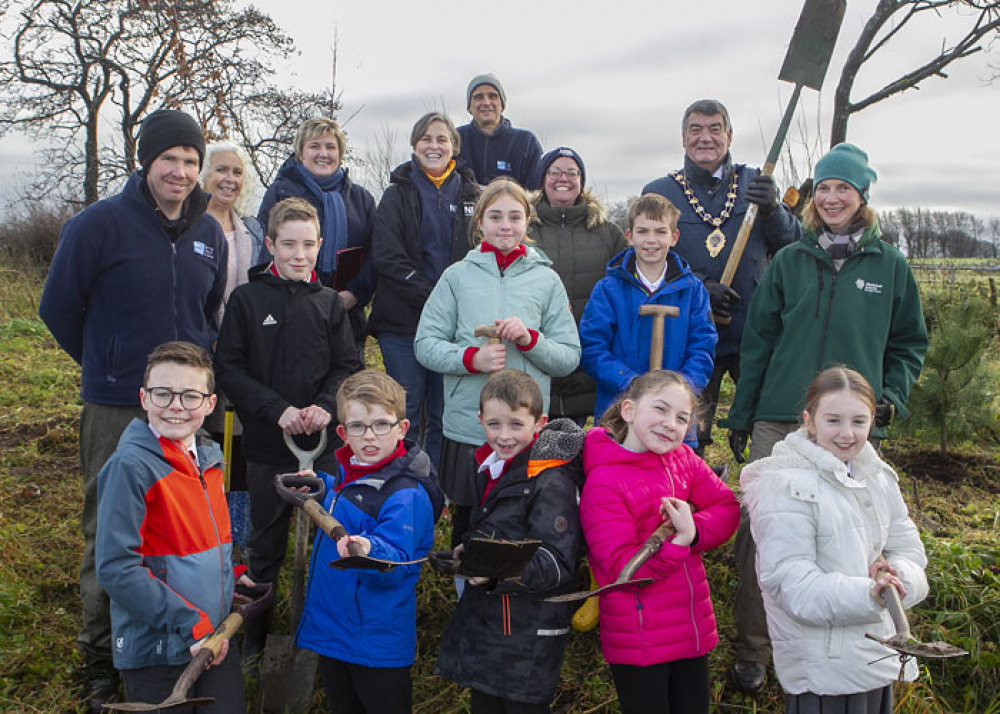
point(611, 79)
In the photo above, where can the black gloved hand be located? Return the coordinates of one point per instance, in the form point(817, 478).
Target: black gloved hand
point(443, 561)
point(738, 444)
point(722, 297)
point(764, 192)
point(884, 411)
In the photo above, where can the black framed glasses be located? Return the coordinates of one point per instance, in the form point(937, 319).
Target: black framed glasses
point(162, 397)
point(380, 427)
point(556, 173)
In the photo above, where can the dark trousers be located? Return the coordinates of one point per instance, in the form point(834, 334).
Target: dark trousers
point(678, 687)
point(482, 703)
point(356, 689)
point(424, 390)
point(709, 402)
point(752, 643)
point(270, 517)
point(223, 683)
point(100, 428)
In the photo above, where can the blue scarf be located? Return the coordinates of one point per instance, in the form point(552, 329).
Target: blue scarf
point(333, 223)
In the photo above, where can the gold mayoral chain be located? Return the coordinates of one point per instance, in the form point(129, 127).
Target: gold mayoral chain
point(716, 240)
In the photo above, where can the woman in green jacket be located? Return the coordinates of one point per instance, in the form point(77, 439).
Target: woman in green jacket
point(839, 296)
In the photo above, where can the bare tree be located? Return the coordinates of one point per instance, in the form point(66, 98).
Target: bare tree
point(75, 68)
point(887, 21)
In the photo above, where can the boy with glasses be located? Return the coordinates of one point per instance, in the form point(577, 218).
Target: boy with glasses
point(163, 548)
point(284, 347)
point(363, 623)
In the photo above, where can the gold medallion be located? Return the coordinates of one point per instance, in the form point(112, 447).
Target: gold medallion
point(715, 242)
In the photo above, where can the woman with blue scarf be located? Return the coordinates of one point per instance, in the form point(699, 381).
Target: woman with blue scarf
point(346, 215)
point(421, 227)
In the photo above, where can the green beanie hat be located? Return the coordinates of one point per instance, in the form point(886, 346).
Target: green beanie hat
point(847, 163)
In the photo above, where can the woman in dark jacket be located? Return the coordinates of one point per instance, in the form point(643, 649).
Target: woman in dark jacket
point(346, 215)
point(421, 227)
point(571, 226)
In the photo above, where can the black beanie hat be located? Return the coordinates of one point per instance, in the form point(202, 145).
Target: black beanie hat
point(563, 151)
point(165, 129)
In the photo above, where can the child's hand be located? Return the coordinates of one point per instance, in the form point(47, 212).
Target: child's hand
point(490, 358)
point(223, 651)
point(291, 421)
point(314, 418)
point(343, 552)
point(349, 299)
point(513, 330)
point(884, 580)
point(247, 583)
point(477, 581)
point(678, 514)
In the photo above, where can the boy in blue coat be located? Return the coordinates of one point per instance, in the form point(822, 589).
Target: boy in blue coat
point(362, 623)
point(615, 339)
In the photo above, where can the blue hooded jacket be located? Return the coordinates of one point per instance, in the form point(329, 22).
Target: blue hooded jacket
point(615, 339)
point(363, 616)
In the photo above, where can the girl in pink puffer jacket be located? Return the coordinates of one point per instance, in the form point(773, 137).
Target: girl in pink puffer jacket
point(640, 474)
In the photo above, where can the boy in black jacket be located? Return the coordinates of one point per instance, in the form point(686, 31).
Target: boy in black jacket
point(284, 348)
point(503, 641)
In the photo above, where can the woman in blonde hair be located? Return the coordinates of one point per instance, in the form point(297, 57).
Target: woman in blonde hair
point(346, 211)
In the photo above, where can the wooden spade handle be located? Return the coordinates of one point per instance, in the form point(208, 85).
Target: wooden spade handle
point(890, 597)
point(650, 548)
point(330, 525)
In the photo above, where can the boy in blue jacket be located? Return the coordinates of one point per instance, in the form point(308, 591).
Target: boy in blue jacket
point(615, 339)
point(362, 623)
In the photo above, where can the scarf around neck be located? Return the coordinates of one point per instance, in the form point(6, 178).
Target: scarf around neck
point(333, 222)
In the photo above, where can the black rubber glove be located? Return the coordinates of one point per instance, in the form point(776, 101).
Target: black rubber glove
point(884, 411)
point(443, 561)
point(764, 192)
point(722, 297)
point(738, 444)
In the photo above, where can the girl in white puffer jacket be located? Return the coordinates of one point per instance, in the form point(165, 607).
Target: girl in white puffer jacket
point(832, 531)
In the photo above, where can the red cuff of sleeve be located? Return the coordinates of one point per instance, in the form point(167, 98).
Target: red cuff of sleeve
point(470, 352)
point(203, 628)
point(239, 570)
point(534, 340)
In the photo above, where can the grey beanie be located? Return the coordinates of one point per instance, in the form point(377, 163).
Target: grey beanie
point(485, 79)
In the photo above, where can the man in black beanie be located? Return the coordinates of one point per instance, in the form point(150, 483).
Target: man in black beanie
point(132, 271)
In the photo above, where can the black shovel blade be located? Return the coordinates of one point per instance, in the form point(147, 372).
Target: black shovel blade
point(574, 597)
point(812, 43)
point(363, 562)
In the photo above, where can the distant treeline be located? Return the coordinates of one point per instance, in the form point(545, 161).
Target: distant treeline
point(921, 233)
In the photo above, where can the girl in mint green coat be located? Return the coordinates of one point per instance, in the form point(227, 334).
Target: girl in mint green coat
point(505, 284)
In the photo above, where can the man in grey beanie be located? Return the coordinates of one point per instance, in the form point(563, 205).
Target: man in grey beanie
point(132, 271)
point(491, 146)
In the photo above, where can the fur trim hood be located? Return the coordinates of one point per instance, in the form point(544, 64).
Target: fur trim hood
point(597, 212)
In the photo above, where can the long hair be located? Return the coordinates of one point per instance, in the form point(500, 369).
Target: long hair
point(501, 186)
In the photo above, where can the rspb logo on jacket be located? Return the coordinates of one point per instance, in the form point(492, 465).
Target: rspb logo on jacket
point(866, 287)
